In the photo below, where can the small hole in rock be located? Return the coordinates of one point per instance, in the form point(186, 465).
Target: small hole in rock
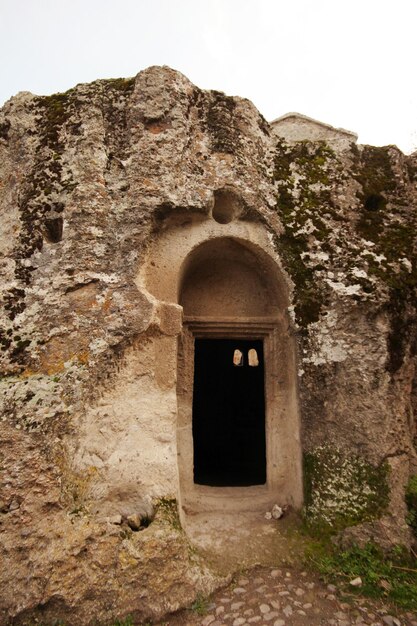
point(54, 229)
point(226, 206)
point(374, 202)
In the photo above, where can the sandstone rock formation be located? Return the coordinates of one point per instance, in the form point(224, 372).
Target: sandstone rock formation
point(95, 185)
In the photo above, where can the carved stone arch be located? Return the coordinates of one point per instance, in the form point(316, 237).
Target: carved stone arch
point(226, 281)
point(233, 295)
point(230, 277)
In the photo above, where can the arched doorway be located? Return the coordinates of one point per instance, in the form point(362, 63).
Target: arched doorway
point(238, 431)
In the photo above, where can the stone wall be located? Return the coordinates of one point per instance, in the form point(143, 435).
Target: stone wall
point(89, 181)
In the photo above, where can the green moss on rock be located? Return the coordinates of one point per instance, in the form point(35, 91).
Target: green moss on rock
point(375, 175)
point(342, 491)
point(221, 124)
point(55, 112)
point(4, 129)
point(304, 174)
point(411, 501)
point(389, 222)
point(124, 85)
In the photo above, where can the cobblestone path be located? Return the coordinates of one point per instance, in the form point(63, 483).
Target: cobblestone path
point(286, 597)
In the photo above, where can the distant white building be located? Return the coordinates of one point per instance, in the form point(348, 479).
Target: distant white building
point(298, 127)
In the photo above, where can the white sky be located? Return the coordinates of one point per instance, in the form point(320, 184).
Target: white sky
point(350, 63)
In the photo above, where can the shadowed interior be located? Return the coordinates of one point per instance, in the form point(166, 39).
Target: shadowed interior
point(228, 414)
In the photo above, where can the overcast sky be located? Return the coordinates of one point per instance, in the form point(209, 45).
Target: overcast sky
point(350, 63)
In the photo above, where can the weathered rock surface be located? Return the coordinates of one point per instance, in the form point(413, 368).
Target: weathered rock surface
point(88, 180)
point(70, 566)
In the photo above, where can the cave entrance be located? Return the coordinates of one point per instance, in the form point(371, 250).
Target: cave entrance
point(228, 421)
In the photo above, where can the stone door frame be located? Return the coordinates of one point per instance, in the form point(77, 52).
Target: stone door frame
point(194, 497)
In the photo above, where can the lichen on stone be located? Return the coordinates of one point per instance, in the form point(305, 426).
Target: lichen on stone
point(342, 490)
point(304, 175)
point(388, 221)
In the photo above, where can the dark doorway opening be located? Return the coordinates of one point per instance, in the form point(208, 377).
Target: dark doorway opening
point(229, 413)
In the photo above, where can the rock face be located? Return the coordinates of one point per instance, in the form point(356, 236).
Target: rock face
point(108, 193)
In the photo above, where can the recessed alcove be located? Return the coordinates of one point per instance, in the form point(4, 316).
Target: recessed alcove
point(238, 432)
point(226, 278)
point(235, 330)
